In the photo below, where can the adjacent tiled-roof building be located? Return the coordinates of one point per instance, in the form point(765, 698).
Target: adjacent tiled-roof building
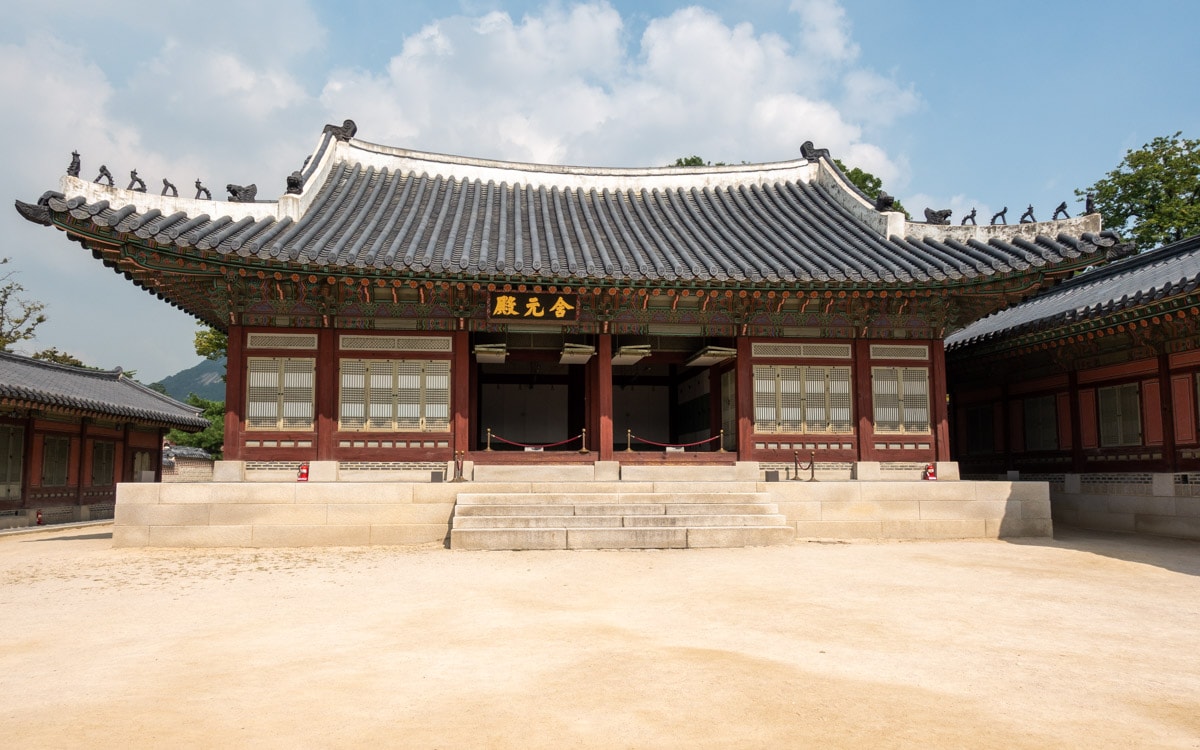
point(68, 435)
point(1094, 385)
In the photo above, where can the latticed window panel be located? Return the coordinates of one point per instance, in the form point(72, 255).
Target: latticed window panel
point(811, 400)
point(56, 458)
point(805, 351)
point(103, 454)
point(358, 342)
point(281, 341)
point(280, 393)
point(900, 398)
point(395, 395)
point(1041, 423)
point(1120, 415)
point(899, 351)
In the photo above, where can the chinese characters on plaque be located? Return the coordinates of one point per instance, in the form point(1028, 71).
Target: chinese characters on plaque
point(533, 306)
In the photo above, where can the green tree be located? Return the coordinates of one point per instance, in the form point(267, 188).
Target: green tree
point(868, 183)
point(54, 355)
point(19, 317)
point(211, 343)
point(211, 438)
point(1153, 196)
point(696, 161)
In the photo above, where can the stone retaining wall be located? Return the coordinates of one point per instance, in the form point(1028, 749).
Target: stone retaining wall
point(298, 514)
point(1156, 504)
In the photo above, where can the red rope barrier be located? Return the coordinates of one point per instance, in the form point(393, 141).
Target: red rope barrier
point(536, 445)
point(675, 445)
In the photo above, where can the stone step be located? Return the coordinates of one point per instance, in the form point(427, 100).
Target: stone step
point(616, 509)
point(619, 538)
point(582, 522)
point(540, 473)
point(628, 498)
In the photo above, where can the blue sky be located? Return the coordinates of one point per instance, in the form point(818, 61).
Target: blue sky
point(954, 105)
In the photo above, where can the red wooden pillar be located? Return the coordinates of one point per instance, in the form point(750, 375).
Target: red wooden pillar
point(937, 392)
point(158, 454)
point(865, 432)
point(460, 395)
point(745, 400)
point(1166, 405)
point(1077, 457)
point(602, 396)
point(326, 393)
point(235, 393)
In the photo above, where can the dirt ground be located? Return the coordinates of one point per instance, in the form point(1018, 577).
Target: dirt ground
point(1089, 640)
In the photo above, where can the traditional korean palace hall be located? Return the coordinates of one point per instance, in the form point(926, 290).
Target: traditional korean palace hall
point(509, 355)
point(1093, 387)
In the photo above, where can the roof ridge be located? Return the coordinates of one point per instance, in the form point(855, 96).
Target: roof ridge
point(94, 372)
point(158, 395)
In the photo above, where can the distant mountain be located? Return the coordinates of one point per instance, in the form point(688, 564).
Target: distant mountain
point(204, 380)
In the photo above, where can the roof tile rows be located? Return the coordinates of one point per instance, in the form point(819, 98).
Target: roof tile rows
point(98, 392)
point(1167, 271)
point(367, 218)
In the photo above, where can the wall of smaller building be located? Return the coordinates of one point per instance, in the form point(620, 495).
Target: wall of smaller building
point(1159, 504)
point(188, 470)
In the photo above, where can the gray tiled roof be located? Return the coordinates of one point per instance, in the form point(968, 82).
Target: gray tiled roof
point(94, 392)
point(375, 209)
point(1167, 271)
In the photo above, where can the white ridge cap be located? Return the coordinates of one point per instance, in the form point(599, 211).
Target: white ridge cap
point(563, 177)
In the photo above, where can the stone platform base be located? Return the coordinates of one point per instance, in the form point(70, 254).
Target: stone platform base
point(303, 514)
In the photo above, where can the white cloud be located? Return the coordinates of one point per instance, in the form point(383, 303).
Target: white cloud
point(565, 83)
point(824, 30)
point(871, 98)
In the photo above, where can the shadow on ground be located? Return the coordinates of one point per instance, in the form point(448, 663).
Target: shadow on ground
point(1179, 555)
point(75, 538)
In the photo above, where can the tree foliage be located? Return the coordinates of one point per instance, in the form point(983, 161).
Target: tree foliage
point(211, 343)
point(211, 438)
point(868, 183)
point(696, 161)
point(63, 358)
point(19, 317)
point(1153, 196)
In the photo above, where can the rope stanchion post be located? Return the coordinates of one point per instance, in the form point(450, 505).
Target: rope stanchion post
point(812, 466)
point(721, 444)
point(583, 441)
point(458, 466)
point(489, 439)
point(795, 466)
point(629, 441)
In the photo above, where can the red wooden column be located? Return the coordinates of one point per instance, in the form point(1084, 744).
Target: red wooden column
point(327, 393)
point(235, 393)
point(602, 396)
point(1166, 405)
point(745, 400)
point(865, 432)
point(460, 394)
point(937, 392)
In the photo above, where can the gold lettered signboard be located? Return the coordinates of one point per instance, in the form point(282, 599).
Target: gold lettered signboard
point(532, 306)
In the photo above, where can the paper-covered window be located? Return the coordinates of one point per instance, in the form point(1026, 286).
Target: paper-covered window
point(280, 393)
point(802, 399)
point(395, 395)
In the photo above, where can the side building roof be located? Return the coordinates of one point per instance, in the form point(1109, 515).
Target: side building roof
point(32, 384)
point(1168, 271)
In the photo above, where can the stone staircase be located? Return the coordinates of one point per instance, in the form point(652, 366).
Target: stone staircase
point(619, 515)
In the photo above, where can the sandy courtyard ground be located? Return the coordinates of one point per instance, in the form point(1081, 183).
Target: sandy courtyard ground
point(1089, 640)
